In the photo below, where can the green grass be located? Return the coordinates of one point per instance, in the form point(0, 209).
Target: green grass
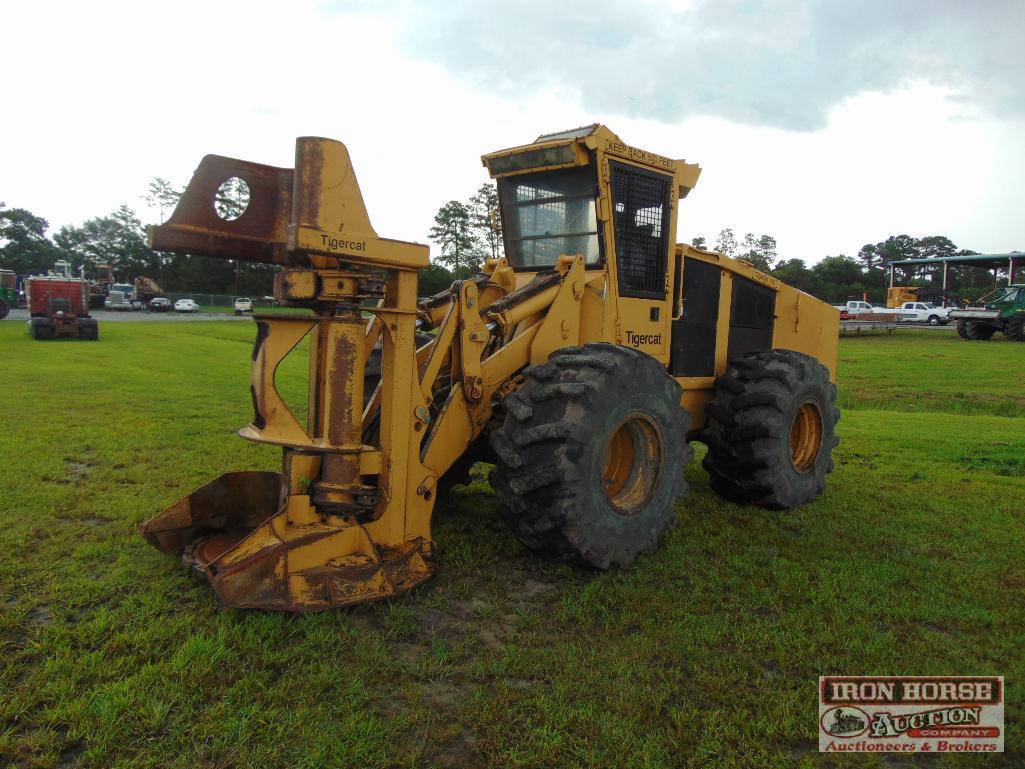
point(932, 371)
point(704, 654)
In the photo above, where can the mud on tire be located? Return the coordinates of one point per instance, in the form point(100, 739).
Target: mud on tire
point(591, 455)
point(771, 430)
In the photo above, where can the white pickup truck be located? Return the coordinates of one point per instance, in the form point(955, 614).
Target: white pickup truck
point(854, 308)
point(923, 312)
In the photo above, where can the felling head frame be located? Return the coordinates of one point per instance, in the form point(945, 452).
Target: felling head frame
point(324, 531)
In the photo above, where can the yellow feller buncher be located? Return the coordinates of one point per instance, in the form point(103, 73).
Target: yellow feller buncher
point(580, 365)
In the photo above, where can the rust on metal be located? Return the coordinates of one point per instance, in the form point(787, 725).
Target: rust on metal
point(258, 235)
point(309, 165)
point(233, 501)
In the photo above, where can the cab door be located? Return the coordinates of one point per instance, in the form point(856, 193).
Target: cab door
point(642, 207)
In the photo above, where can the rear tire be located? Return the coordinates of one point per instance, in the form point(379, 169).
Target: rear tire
point(41, 328)
point(1015, 327)
point(5, 308)
point(974, 331)
point(591, 455)
point(89, 331)
point(771, 430)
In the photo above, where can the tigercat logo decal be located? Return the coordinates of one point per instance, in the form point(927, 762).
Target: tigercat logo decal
point(636, 340)
point(340, 244)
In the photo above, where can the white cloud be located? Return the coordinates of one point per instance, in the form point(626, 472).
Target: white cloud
point(102, 97)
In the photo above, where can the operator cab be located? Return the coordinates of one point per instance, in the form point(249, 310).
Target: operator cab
point(585, 192)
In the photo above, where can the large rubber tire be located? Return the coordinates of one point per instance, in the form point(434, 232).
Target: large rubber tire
point(41, 328)
point(761, 403)
point(5, 308)
point(974, 330)
point(590, 457)
point(90, 331)
point(1014, 328)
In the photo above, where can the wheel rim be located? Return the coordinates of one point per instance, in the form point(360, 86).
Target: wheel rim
point(631, 464)
point(805, 436)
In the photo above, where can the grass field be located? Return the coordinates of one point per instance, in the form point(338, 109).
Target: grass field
point(704, 654)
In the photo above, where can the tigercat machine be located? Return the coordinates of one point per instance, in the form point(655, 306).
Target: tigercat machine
point(580, 364)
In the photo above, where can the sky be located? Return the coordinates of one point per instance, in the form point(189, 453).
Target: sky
point(825, 124)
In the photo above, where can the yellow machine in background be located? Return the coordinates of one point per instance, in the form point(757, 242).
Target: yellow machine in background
point(580, 365)
point(897, 295)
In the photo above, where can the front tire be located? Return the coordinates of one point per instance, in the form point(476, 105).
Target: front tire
point(934, 320)
point(591, 455)
point(1015, 327)
point(771, 430)
point(5, 308)
point(974, 331)
point(41, 329)
point(89, 330)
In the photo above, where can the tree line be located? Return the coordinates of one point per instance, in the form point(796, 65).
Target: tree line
point(118, 240)
point(838, 278)
point(466, 233)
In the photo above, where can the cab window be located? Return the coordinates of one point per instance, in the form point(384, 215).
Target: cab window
point(548, 214)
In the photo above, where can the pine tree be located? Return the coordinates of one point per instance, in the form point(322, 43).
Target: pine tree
point(453, 232)
point(485, 221)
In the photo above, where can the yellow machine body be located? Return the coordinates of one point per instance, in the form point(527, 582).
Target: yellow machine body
point(347, 520)
point(897, 295)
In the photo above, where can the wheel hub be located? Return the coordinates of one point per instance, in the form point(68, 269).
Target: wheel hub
point(805, 436)
point(631, 464)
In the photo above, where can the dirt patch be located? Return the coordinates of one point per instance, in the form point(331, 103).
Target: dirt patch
point(90, 520)
point(443, 694)
point(409, 654)
point(40, 616)
point(70, 753)
point(470, 608)
point(459, 752)
point(76, 469)
point(1012, 581)
point(797, 752)
point(937, 627)
point(489, 638)
point(530, 591)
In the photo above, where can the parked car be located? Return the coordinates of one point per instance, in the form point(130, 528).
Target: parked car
point(243, 304)
point(185, 305)
point(924, 312)
point(159, 304)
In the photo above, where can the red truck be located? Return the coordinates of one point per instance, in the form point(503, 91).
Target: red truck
point(59, 306)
